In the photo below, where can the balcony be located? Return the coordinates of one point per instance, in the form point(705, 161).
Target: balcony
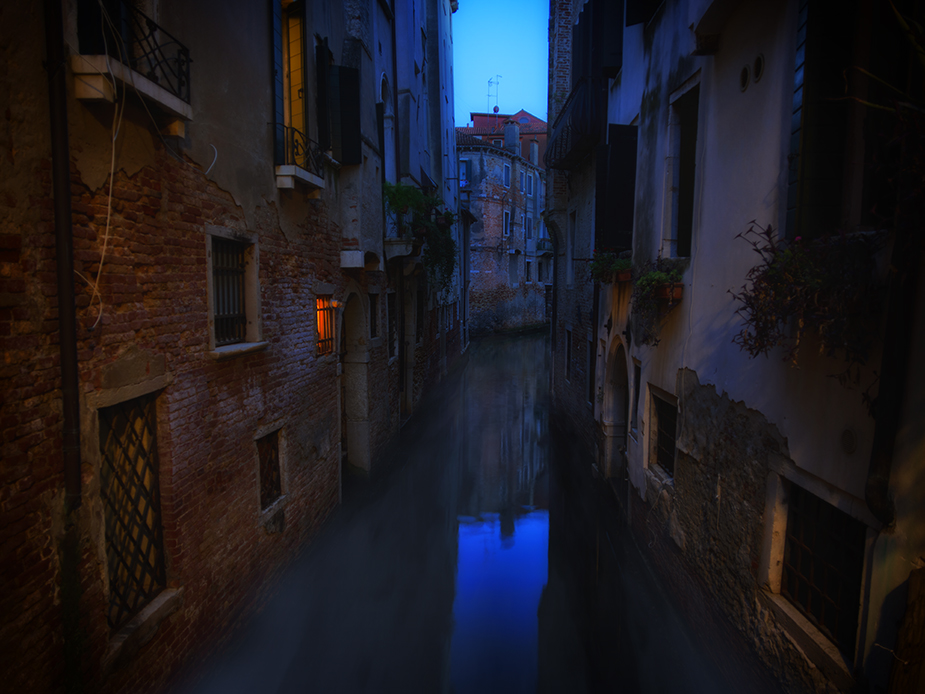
point(579, 126)
point(544, 246)
point(131, 50)
point(298, 159)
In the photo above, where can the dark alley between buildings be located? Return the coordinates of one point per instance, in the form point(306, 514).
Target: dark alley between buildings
point(487, 557)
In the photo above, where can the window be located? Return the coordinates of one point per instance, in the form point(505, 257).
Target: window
point(568, 355)
point(823, 562)
point(324, 319)
point(507, 223)
point(665, 431)
point(463, 173)
point(374, 315)
point(523, 180)
point(507, 175)
point(529, 231)
point(523, 225)
point(131, 507)
point(512, 269)
point(683, 144)
point(419, 316)
point(496, 143)
point(289, 87)
point(271, 487)
point(592, 363)
point(233, 289)
point(228, 267)
point(528, 272)
point(637, 373)
point(530, 185)
point(393, 323)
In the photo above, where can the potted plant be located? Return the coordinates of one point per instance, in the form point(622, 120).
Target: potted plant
point(656, 290)
point(608, 267)
point(827, 286)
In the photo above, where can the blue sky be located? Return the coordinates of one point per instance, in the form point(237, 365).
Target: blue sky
point(500, 37)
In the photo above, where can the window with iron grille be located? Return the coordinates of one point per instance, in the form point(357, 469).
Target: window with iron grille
point(666, 431)
point(131, 507)
point(271, 487)
point(229, 264)
point(393, 323)
point(823, 562)
point(374, 315)
point(324, 317)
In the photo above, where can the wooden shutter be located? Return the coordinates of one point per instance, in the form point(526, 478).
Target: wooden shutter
point(345, 114)
point(278, 118)
point(616, 192)
point(323, 77)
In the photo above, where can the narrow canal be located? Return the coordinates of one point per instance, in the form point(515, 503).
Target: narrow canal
point(486, 559)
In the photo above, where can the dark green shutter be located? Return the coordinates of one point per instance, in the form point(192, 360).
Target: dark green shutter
point(279, 119)
point(345, 114)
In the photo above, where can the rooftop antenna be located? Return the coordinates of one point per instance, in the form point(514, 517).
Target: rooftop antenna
point(495, 82)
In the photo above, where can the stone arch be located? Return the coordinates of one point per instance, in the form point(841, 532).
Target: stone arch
point(354, 382)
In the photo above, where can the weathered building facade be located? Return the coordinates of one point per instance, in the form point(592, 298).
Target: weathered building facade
point(677, 127)
point(204, 326)
point(510, 252)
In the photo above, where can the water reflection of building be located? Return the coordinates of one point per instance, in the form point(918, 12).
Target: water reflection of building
point(505, 471)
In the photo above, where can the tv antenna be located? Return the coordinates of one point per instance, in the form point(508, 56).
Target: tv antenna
point(495, 82)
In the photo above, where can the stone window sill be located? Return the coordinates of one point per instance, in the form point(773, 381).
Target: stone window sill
point(125, 643)
point(228, 351)
point(817, 648)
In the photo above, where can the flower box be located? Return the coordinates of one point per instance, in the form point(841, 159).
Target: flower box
point(669, 292)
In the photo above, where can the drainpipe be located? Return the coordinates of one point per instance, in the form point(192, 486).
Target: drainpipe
point(64, 249)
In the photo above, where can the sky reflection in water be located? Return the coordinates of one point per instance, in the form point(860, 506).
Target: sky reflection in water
point(498, 586)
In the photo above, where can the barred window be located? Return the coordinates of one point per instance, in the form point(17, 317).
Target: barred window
point(271, 487)
point(374, 315)
point(666, 431)
point(823, 563)
point(230, 312)
point(324, 317)
point(393, 323)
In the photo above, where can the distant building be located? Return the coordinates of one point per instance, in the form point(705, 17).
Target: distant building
point(502, 184)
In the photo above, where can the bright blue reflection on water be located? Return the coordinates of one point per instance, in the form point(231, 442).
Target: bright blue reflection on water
point(499, 581)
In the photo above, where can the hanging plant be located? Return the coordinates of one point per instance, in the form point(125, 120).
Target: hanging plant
point(826, 286)
point(656, 290)
point(412, 213)
point(608, 267)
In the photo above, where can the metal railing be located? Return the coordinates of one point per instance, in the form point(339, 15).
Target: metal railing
point(293, 148)
point(133, 38)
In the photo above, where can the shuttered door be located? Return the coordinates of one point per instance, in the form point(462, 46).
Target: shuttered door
point(131, 506)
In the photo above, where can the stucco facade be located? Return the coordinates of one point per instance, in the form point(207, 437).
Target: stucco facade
point(711, 95)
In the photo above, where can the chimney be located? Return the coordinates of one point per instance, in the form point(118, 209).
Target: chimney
point(535, 152)
point(512, 137)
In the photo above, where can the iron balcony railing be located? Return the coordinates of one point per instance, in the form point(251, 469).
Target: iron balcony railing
point(118, 29)
point(579, 125)
point(293, 148)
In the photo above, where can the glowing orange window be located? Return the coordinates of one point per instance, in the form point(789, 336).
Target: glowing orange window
point(324, 312)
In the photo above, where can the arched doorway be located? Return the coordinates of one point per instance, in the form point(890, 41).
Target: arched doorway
point(616, 409)
point(354, 400)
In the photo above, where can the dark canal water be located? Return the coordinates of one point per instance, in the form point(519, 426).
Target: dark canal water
point(486, 559)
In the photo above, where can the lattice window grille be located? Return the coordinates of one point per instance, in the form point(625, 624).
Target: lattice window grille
point(131, 503)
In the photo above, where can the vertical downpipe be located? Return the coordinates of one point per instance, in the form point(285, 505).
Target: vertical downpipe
point(69, 543)
point(64, 249)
